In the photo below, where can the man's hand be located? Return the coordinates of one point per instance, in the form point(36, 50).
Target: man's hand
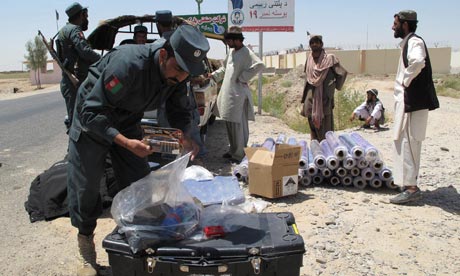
point(133, 145)
point(352, 117)
point(138, 148)
point(368, 120)
point(191, 146)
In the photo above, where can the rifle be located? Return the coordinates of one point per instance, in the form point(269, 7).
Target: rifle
point(54, 55)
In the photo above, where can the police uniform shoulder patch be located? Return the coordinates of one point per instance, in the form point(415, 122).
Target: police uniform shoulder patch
point(113, 84)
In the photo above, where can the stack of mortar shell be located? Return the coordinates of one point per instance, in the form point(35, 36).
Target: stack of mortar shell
point(347, 159)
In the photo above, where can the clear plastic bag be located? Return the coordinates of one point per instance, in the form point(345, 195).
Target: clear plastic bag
point(197, 173)
point(157, 208)
point(222, 215)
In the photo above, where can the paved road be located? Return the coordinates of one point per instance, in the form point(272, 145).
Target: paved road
point(32, 138)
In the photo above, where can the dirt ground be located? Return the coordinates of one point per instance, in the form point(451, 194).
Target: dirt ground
point(346, 231)
point(13, 88)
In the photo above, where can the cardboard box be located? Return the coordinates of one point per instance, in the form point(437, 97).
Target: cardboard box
point(273, 174)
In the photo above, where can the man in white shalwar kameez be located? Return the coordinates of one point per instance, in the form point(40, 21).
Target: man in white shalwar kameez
point(234, 102)
point(414, 96)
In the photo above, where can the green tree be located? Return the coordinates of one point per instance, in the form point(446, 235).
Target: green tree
point(36, 58)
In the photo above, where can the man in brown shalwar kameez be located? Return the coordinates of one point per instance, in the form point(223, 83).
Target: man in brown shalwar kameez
point(324, 74)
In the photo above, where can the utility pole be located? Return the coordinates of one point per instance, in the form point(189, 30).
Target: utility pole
point(199, 3)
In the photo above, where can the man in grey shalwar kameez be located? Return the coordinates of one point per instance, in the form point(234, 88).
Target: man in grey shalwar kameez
point(234, 103)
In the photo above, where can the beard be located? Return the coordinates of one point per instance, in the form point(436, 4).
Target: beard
point(171, 81)
point(399, 33)
point(84, 25)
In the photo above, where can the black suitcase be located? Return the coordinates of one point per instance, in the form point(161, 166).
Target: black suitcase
point(268, 244)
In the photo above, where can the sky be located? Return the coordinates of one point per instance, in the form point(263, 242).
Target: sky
point(364, 24)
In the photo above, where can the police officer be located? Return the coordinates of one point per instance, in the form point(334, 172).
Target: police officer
point(165, 26)
point(140, 34)
point(75, 53)
point(110, 103)
point(164, 22)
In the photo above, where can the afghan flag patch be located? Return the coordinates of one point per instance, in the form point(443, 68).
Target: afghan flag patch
point(113, 85)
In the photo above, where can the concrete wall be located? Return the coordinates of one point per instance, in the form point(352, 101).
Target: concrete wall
point(382, 61)
point(349, 59)
point(51, 75)
point(455, 62)
point(440, 59)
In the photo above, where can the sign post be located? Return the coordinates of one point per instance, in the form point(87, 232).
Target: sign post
point(262, 16)
point(212, 25)
point(199, 5)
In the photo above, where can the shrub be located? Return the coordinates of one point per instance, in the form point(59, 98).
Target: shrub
point(286, 84)
point(448, 85)
point(345, 102)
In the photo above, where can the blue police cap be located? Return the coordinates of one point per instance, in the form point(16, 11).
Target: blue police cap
point(140, 29)
point(163, 17)
point(190, 48)
point(74, 9)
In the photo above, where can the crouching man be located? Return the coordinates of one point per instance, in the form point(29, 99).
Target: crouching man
point(371, 111)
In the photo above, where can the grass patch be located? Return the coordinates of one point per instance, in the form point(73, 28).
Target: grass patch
point(265, 80)
point(14, 75)
point(448, 86)
point(286, 84)
point(345, 102)
point(300, 125)
point(274, 104)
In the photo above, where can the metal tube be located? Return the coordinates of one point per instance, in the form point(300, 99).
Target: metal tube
point(362, 163)
point(331, 161)
point(312, 169)
point(303, 161)
point(317, 179)
point(335, 181)
point(292, 141)
point(377, 165)
point(359, 182)
point(371, 152)
point(385, 174)
point(354, 149)
point(318, 156)
point(367, 173)
point(349, 162)
point(376, 183)
point(269, 144)
point(355, 171)
point(241, 170)
point(326, 172)
point(306, 181)
point(347, 180)
point(281, 138)
point(390, 184)
point(339, 149)
point(341, 172)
